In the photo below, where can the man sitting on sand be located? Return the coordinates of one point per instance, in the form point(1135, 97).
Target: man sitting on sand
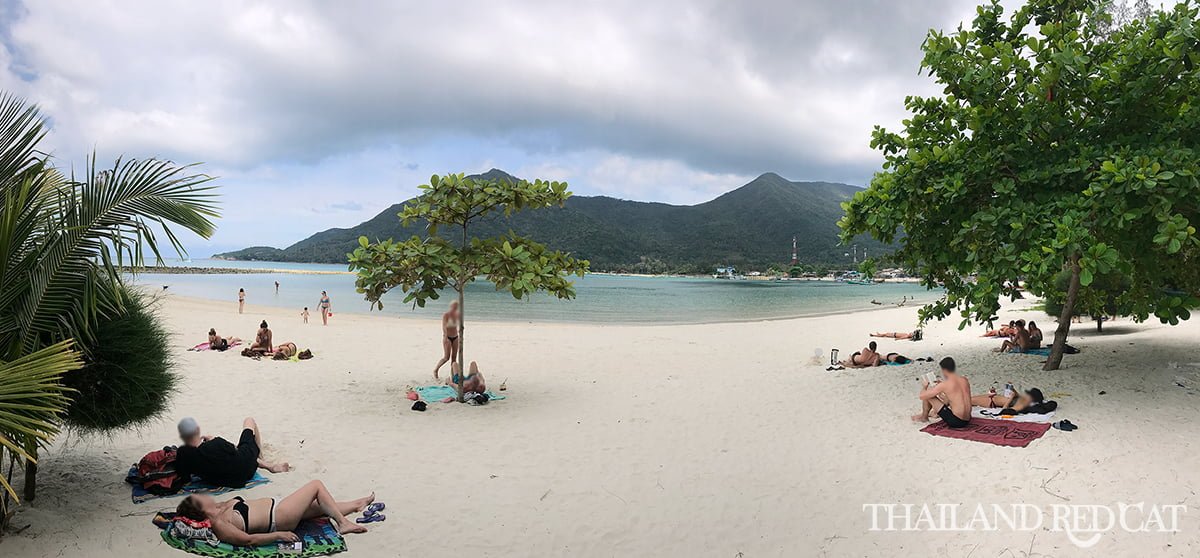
point(865, 358)
point(219, 462)
point(950, 398)
point(1019, 342)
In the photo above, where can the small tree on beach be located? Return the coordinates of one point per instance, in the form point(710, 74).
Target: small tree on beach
point(1053, 147)
point(423, 266)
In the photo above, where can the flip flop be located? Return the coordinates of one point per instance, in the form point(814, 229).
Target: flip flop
point(374, 508)
point(371, 518)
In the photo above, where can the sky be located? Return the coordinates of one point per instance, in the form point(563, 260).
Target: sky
point(321, 114)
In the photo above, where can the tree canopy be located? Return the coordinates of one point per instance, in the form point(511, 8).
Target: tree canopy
point(424, 266)
point(1054, 145)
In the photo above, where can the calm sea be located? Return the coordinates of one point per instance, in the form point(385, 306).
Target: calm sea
point(599, 298)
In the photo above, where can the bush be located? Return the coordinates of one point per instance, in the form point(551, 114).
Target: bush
point(1101, 298)
point(128, 379)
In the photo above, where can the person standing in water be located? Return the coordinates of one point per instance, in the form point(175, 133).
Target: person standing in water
point(277, 287)
point(241, 300)
point(450, 341)
point(324, 307)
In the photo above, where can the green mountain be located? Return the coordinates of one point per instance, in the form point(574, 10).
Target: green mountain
point(750, 227)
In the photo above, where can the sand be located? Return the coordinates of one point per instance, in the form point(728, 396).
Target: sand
point(699, 440)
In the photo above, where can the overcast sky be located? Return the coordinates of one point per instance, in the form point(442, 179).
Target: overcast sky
point(321, 114)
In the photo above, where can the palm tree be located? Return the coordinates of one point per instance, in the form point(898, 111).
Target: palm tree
point(62, 242)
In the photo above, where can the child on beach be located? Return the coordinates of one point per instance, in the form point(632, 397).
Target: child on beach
point(304, 314)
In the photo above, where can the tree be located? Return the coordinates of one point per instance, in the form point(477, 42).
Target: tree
point(1050, 148)
point(1098, 300)
point(61, 242)
point(423, 266)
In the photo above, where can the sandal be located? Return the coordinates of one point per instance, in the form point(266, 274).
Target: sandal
point(371, 518)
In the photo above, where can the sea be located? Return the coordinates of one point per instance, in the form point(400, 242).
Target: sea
point(600, 298)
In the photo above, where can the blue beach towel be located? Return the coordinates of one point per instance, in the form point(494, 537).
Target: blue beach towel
point(140, 495)
point(1043, 351)
point(438, 393)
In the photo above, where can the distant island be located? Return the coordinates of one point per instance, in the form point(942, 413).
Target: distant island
point(751, 227)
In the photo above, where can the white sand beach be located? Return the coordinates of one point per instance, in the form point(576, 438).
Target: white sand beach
point(699, 440)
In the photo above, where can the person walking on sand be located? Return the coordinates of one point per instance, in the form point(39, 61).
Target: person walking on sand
point(262, 521)
point(304, 314)
point(949, 399)
point(324, 306)
point(450, 321)
point(241, 300)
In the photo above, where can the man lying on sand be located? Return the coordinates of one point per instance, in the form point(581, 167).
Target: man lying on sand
point(219, 462)
point(950, 398)
point(263, 521)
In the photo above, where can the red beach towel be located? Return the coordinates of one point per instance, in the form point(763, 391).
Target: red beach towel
point(992, 431)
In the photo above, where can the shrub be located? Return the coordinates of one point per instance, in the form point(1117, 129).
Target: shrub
point(128, 379)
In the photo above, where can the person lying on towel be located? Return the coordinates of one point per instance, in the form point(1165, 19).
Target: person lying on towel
point(218, 462)
point(472, 382)
point(263, 521)
point(1031, 401)
point(949, 399)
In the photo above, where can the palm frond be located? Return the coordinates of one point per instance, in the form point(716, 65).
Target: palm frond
point(33, 399)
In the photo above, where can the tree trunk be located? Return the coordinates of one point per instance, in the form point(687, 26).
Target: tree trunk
point(30, 469)
point(1099, 323)
point(1064, 319)
point(462, 375)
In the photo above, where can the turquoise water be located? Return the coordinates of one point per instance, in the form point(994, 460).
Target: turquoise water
point(599, 298)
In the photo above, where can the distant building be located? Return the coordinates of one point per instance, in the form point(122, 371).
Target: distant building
point(726, 273)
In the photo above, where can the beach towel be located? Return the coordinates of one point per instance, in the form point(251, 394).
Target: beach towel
point(899, 363)
point(992, 431)
point(140, 494)
point(982, 413)
point(1042, 351)
point(319, 536)
point(438, 393)
point(207, 347)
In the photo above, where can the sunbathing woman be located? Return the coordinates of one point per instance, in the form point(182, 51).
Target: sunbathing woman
point(865, 358)
point(473, 382)
point(896, 358)
point(215, 341)
point(284, 351)
point(1004, 331)
point(1018, 401)
point(263, 521)
point(262, 340)
point(915, 335)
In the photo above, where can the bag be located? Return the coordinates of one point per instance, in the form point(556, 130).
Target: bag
point(156, 472)
point(1069, 350)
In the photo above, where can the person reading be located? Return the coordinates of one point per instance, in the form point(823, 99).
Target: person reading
point(949, 399)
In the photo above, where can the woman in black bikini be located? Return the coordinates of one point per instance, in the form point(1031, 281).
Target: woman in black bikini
point(242, 522)
point(450, 321)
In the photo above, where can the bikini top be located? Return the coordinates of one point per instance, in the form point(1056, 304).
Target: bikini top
point(243, 509)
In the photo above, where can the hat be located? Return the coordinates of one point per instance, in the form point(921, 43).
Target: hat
point(188, 427)
point(1035, 395)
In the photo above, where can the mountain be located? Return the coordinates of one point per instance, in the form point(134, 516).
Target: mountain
point(751, 226)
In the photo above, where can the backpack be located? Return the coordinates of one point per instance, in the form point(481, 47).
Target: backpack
point(156, 472)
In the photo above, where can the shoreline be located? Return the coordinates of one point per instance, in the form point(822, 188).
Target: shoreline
point(157, 294)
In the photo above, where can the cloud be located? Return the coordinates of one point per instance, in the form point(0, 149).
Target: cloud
point(672, 101)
